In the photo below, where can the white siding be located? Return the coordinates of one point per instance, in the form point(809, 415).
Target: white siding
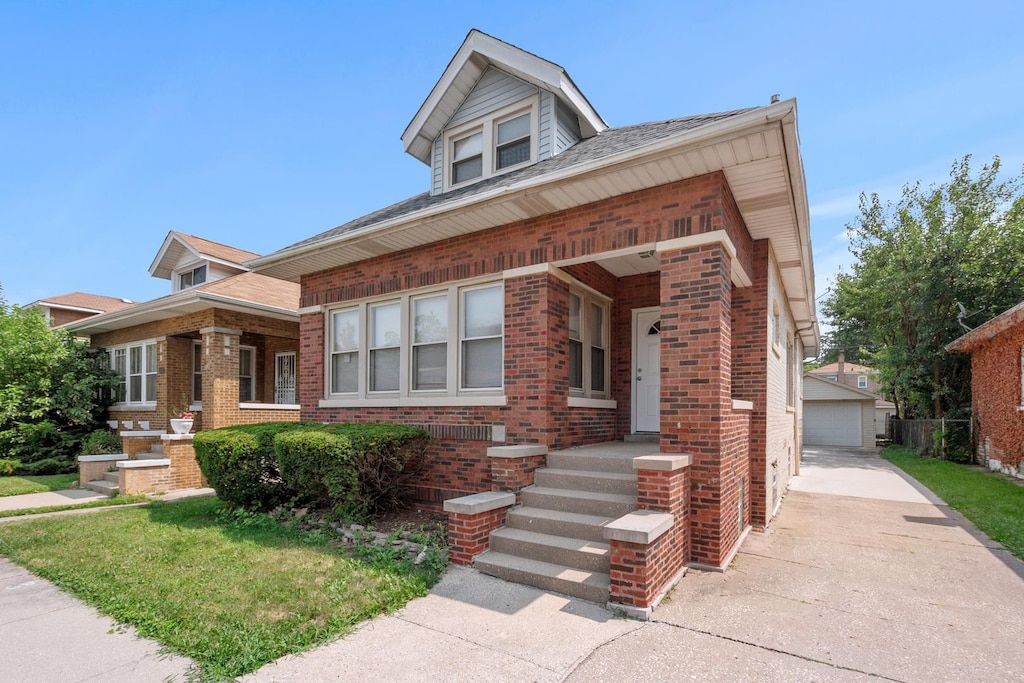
point(780, 418)
point(545, 125)
point(437, 166)
point(494, 90)
point(567, 132)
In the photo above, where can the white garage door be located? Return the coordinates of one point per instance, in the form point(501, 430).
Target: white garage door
point(832, 423)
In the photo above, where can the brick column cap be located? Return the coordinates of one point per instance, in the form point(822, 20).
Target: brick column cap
point(517, 451)
point(176, 437)
point(479, 502)
point(642, 526)
point(142, 464)
point(663, 462)
point(222, 330)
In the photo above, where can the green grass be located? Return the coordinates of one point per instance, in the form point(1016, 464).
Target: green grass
point(232, 592)
point(106, 502)
point(993, 504)
point(16, 486)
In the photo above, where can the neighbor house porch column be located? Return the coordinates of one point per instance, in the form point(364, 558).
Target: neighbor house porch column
point(220, 377)
point(696, 385)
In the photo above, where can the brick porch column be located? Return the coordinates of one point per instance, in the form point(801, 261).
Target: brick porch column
point(696, 387)
point(220, 377)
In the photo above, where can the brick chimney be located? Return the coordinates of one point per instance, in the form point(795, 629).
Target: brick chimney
point(839, 369)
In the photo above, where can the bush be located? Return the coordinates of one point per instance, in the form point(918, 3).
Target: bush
point(101, 442)
point(9, 467)
point(240, 464)
point(45, 467)
point(388, 459)
point(318, 466)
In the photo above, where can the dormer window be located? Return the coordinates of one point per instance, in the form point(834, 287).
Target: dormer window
point(505, 140)
point(191, 278)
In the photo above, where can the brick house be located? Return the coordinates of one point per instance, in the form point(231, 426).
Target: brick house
point(997, 389)
point(68, 308)
point(223, 345)
point(563, 287)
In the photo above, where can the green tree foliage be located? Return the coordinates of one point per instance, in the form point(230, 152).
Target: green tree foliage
point(919, 259)
point(53, 390)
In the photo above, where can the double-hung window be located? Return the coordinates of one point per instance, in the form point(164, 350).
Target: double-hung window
point(504, 140)
point(588, 345)
point(440, 343)
point(135, 366)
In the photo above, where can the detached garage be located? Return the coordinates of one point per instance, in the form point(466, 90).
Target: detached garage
point(836, 414)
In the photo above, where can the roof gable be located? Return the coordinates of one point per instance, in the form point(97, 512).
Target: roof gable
point(479, 52)
point(848, 368)
point(178, 244)
point(988, 330)
point(83, 301)
point(819, 388)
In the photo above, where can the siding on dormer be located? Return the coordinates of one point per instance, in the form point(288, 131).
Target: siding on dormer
point(494, 90)
point(567, 129)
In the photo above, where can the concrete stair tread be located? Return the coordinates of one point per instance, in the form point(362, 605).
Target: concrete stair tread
point(566, 542)
point(590, 474)
point(110, 476)
point(564, 550)
point(103, 486)
point(591, 462)
point(582, 495)
point(588, 585)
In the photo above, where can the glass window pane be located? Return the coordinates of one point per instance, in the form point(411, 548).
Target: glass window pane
point(199, 275)
point(513, 129)
point(514, 153)
point(574, 317)
point(150, 357)
point(386, 324)
point(135, 360)
point(467, 170)
point(596, 369)
point(483, 312)
point(384, 370)
point(245, 388)
point(150, 387)
point(245, 362)
point(469, 146)
point(481, 363)
point(344, 373)
point(135, 388)
point(346, 331)
point(596, 325)
point(430, 366)
point(575, 364)
point(430, 319)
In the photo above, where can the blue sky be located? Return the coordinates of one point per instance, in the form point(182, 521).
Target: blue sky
point(258, 124)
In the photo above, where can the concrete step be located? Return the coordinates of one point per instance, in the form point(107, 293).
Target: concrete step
point(558, 523)
point(642, 437)
point(157, 450)
point(583, 502)
point(103, 486)
point(591, 462)
point(579, 480)
point(110, 476)
point(579, 583)
point(569, 552)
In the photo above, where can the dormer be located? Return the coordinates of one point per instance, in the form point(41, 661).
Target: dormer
point(189, 261)
point(494, 110)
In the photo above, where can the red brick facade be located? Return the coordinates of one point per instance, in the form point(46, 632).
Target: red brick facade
point(996, 396)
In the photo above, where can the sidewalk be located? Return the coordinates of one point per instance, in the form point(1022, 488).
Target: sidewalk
point(48, 499)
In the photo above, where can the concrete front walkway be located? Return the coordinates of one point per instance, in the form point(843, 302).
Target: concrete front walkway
point(28, 501)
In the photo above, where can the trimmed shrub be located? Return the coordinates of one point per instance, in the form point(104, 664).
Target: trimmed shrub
point(9, 467)
point(240, 464)
point(318, 466)
point(388, 459)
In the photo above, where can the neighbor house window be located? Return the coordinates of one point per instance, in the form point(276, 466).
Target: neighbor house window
point(135, 365)
point(436, 343)
point(588, 344)
point(506, 139)
point(862, 382)
point(246, 373)
point(191, 278)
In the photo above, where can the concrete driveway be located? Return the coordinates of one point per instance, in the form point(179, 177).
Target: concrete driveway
point(862, 574)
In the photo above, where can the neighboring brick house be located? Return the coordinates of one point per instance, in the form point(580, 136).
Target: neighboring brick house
point(68, 308)
point(224, 345)
point(997, 389)
point(563, 284)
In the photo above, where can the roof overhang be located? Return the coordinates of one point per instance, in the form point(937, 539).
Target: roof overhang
point(64, 307)
point(478, 52)
point(758, 152)
point(173, 306)
point(988, 330)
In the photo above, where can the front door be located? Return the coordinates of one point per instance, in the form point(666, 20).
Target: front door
point(647, 370)
point(284, 378)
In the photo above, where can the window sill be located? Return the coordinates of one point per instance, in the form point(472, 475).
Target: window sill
point(739, 404)
point(269, 406)
point(604, 403)
point(414, 402)
point(133, 408)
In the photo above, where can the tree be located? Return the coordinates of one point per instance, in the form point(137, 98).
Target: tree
point(53, 389)
point(919, 260)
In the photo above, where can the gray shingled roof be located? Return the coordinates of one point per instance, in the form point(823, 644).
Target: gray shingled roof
point(608, 143)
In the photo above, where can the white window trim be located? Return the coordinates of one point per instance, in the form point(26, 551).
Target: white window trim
point(252, 370)
point(862, 381)
point(191, 268)
point(488, 126)
point(588, 297)
point(454, 394)
point(146, 400)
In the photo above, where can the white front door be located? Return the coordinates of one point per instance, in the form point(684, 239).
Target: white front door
point(284, 378)
point(647, 370)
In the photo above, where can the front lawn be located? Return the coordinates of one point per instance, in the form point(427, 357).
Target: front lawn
point(231, 591)
point(993, 504)
point(16, 486)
